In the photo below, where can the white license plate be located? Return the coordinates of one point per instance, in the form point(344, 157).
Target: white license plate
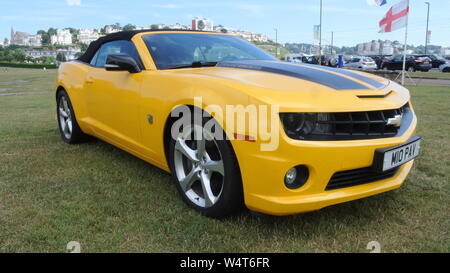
point(399, 156)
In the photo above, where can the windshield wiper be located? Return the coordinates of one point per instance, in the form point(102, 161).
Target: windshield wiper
point(193, 65)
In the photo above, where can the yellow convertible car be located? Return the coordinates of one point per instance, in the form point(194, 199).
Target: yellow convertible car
point(235, 126)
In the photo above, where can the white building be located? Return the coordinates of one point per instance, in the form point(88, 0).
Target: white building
point(178, 26)
point(445, 51)
point(25, 39)
point(387, 48)
point(87, 36)
point(203, 24)
point(247, 35)
point(34, 40)
point(62, 37)
point(69, 53)
point(370, 48)
point(111, 29)
point(376, 47)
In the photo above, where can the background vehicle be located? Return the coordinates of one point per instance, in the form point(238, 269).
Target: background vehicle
point(413, 63)
point(436, 60)
point(379, 59)
point(361, 62)
point(310, 59)
point(294, 58)
point(445, 67)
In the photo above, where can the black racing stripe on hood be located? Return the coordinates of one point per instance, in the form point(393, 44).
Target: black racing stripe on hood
point(298, 71)
point(357, 76)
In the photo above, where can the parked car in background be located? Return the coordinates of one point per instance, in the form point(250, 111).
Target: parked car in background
point(333, 61)
point(310, 59)
point(361, 62)
point(436, 60)
point(294, 58)
point(445, 67)
point(413, 63)
point(379, 59)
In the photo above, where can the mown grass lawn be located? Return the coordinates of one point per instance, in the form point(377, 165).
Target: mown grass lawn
point(432, 75)
point(109, 201)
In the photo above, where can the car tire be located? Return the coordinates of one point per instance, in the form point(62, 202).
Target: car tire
point(68, 126)
point(411, 69)
point(208, 179)
point(446, 70)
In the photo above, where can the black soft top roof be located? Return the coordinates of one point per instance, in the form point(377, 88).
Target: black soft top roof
point(122, 35)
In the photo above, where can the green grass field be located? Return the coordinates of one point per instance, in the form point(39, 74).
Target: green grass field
point(430, 75)
point(109, 201)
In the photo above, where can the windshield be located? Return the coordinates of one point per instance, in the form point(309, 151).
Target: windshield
point(440, 58)
point(172, 50)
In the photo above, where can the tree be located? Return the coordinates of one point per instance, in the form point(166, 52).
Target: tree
point(19, 55)
point(154, 27)
point(129, 27)
point(224, 30)
point(51, 31)
point(60, 57)
point(78, 55)
point(201, 25)
point(74, 33)
point(6, 54)
point(45, 37)
point(29, 59)
point(46, 60)
point(83, 48)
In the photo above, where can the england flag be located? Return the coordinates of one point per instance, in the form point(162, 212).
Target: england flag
point(396, 17)
point(380, 2)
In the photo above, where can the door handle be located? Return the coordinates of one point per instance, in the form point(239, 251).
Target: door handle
point(89, 80)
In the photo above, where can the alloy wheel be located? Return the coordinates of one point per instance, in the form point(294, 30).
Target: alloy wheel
point(65, 117)
point(198, 166)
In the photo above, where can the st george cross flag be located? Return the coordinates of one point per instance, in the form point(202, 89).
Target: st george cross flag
point(396, 17)
point(380, 2)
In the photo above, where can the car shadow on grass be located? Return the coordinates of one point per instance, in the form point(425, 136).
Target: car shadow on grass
point(366, 210)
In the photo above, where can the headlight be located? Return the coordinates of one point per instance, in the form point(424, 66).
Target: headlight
point(302, 125)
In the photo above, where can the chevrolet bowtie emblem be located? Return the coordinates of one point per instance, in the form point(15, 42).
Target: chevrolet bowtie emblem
point(395, 121)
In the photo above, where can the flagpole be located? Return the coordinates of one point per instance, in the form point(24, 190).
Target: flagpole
point(405, 48)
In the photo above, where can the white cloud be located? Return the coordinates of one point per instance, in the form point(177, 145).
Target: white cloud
point(73, 2)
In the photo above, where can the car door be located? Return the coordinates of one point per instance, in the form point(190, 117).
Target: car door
point(397, 63)
point(351, 63)
point(112, 97)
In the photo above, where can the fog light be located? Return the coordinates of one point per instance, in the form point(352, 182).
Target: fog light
point(290, 177)
point(296, 177)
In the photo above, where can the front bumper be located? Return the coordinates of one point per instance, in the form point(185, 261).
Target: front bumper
point(263, 172)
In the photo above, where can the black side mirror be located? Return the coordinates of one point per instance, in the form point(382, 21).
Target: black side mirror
point(121, 62)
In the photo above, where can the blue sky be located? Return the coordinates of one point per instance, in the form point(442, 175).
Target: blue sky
point(353, 21)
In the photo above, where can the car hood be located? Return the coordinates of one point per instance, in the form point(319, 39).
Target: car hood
point(337, 79)
point(294, 86)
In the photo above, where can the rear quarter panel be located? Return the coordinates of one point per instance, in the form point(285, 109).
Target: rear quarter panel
point(71, 77)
